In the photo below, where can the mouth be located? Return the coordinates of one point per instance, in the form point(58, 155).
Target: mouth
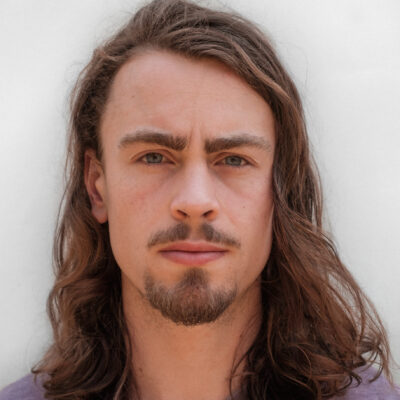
point(192, 253)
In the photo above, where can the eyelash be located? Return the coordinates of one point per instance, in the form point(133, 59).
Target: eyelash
point(142, 159)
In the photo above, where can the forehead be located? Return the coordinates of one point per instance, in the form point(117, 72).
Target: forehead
point(183, 96)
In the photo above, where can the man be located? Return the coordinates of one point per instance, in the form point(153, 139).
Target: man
point(191, 261)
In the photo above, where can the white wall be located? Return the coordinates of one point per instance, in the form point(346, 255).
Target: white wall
point(345, 58)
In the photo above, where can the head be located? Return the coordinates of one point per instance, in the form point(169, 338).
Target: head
point(186, 161)
point(186, 128)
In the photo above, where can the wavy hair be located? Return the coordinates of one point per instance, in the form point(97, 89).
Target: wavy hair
point(317, 328)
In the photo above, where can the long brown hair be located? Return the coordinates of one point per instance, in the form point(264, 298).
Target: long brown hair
point(317, 326)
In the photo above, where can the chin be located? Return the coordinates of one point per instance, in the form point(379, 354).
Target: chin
point(191, 301)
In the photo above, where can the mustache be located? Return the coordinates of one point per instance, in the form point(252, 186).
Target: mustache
point(183, 231)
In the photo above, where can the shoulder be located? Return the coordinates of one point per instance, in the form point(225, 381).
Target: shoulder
point(380, 389)
point(23, 389)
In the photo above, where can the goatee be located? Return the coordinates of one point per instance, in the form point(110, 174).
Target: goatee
point(191, 301)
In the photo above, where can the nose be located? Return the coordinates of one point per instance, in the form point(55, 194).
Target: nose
point(195, 195)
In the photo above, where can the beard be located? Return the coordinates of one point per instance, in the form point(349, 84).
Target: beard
point(191, 301)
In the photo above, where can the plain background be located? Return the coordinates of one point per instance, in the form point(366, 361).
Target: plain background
point(344, 56)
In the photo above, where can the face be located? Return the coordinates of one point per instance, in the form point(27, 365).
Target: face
point(185, 184)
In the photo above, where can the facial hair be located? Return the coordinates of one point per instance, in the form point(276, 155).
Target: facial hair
point(191, 301)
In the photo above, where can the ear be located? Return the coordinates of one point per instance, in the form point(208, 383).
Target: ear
point(95, 186)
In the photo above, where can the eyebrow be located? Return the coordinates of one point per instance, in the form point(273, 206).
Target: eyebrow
point(178, 143)
point(236, 140)
point(145, 135)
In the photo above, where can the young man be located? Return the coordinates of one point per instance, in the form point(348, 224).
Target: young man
point(191, 259)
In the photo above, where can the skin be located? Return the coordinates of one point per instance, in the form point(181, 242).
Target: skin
point(141, 193)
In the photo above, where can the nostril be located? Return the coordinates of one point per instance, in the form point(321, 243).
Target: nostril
point(207, 213)
point(183, 213)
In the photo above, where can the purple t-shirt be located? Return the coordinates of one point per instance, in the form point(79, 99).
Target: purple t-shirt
point(26, 389)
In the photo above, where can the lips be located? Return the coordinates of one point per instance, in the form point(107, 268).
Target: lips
point(192, 253)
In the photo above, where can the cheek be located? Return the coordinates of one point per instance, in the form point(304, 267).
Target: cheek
point(252, 215)
point(131, 198)
point(131, 217)
point(261, 217)
point(249, 202)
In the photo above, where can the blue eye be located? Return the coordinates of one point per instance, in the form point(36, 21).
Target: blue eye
point(157, 158)
point(153, 158)
point(235, 161)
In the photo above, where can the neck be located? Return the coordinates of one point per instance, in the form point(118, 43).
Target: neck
point(173, 361)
